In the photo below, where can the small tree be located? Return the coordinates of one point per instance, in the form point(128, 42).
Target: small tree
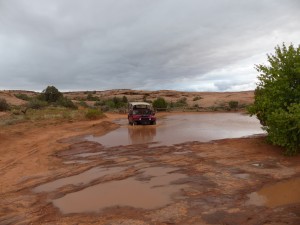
point(3, 105)
point(160, 103)
point(51, 94)
point(277, 98)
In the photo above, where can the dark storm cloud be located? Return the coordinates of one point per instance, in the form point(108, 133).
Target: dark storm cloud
point(140, 44)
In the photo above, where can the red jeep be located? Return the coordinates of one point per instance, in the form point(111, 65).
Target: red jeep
point(141, 113)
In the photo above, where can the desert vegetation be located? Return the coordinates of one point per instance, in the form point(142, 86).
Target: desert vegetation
point(19, 106)
point(51, 104)
point(277, 98)
point(3, 105)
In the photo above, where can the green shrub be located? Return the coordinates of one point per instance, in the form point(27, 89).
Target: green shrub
point(233, 105)
point(50, 94)
point(93, 114)
point(3, 105)
point(277, 98)
point(36, 104)
point(284, 128)
point(112, 103)
point(160, 104)
point(182, 102)
point(22, 96)
point(65, 102)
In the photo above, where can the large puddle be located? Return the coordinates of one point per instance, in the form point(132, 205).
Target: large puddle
point(282, 193)
point(176, 129)
point(151, 189)
point(80, 179)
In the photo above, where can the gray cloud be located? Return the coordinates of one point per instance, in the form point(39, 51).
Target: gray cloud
point(140, 44)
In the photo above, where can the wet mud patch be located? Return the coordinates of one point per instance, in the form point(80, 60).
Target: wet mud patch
point(268, 164)
point(154, 191)
point(228, 218)
point(80, 179)
point(79, 148)
point(277, 194)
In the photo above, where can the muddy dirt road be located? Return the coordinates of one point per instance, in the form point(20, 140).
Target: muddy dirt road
point(105, 172)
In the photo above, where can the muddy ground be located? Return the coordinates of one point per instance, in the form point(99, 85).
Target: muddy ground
point(42, 168)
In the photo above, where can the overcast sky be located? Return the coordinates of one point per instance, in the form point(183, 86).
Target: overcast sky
point(191, 45)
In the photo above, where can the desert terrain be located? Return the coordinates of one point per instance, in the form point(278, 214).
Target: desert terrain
point(58, 170)
point(205, 99)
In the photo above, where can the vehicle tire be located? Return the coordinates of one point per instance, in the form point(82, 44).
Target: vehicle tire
point(153, 123)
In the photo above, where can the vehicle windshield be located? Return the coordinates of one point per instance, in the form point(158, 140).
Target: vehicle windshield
point(142, 111)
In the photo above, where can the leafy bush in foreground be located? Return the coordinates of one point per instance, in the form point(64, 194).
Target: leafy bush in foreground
point(284, 128)
point(277, 98)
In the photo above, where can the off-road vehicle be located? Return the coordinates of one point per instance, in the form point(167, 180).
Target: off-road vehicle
point(141, 113)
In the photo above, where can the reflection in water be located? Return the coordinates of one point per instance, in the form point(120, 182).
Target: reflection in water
point(180, 128)
point(141, 134)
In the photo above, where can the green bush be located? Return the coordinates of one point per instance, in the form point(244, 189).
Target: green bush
point(160, 104)
point(22, 96)
point(93, 114)
point(180, 103)
point(277, 98)
point(284, 128)
point(36, 104)
point(233, 105)
point(50, 94)
point(65, 102)
point(3, 105)
point(112, 103)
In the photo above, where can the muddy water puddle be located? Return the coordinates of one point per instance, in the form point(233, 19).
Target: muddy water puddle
point(281, 193)
point(176, 129)
point(152, 188)
point(80, 179)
